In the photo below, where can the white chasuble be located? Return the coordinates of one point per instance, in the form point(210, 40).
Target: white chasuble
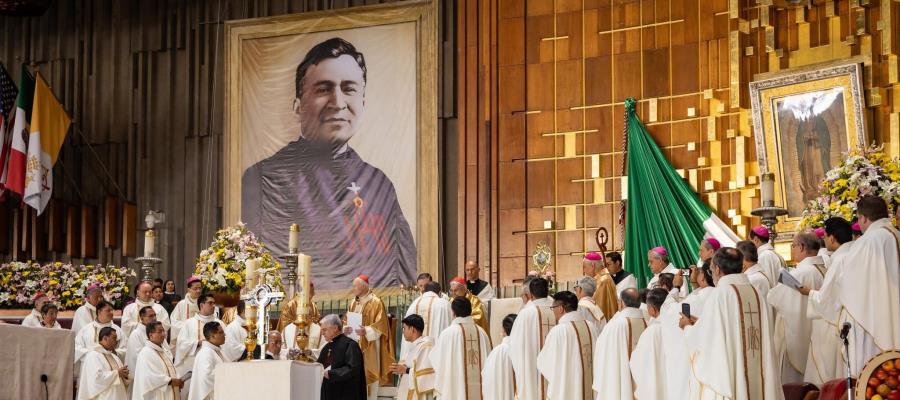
point(770, 262)
point(870, 295)
point(83, 316)
point(88, 336)
point(648, 364)
point(732, 358)
point(418, 383)
point(99, 378)
point(435, 312)
point(592, 314)
point(131, 315)
point(825, 361)
point(202, 378)
point(189, 341)
point(184, 310)
point(458, 355)
point(612, 352)
point(153, 373)
point(497, 381)
point(526, 340)
point(566, 360)
point(792, 326)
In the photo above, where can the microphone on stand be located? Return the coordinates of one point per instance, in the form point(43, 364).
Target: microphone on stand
point(845, 330)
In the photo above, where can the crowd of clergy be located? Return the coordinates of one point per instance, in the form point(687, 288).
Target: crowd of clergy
point(734, 327)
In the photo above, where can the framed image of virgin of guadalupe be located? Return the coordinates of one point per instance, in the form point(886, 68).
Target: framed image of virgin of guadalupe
point(805, 120)
point(331, 123)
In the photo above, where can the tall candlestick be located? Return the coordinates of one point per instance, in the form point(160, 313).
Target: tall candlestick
point(303, 270)
point(294, 238)
point(149, 243)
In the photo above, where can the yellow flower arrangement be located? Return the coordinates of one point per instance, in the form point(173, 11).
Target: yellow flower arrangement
point(221, 266)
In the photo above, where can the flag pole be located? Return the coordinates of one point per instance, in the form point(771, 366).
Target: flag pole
point(630, 103)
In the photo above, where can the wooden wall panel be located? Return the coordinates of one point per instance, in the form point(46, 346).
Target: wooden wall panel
point(577, 61)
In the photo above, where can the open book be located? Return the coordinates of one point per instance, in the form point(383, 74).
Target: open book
point(788, 280)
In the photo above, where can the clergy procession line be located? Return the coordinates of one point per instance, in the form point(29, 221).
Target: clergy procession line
point(746, 327)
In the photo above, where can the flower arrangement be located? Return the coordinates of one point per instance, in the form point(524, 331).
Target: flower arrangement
point(65, 284)
point(222, 265)
point(861, 173)
point(547, 274)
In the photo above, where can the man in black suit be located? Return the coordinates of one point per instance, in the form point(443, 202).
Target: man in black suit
point(345, 378)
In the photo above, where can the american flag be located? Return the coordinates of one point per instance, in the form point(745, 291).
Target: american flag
point(8, 93)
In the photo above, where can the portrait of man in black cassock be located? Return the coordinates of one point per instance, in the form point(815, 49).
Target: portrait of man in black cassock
point(350, 219)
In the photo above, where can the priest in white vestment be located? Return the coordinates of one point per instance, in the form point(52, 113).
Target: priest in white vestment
point(566, 360)
point(825, 361)
point(186, 308)
point(138, 339)
point(414, 368)
point(87, 337)
point(497, 374)
point(235, 335)
point(458, 355)
point(612, 352)
point(792, 331)
point(433, 309)
point(155, 377)
point(584, 290)
point(730, 349)
point(210, 355)
point(130, 317)
point(532, 325)
point(103, 375)
point(770, 262)
point(33, 319)
point(658, 261)
point(648, 360)
point(87, 312)
point(754, 272)
point(868, 291)
point(190, 338)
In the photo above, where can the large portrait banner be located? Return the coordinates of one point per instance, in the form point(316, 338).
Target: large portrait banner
point(331, 123)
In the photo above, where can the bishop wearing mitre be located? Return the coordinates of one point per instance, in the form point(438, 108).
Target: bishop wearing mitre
point(612, 374)
point(532, 325)
point(458, 288)
point(374, 335)
point(130, 317)
point(458, 355)
point(103, 375)
point(728, 343)
point(190, 338)
point(567, 357)
point(594, 266)
point(414, 367)
point(155, 377)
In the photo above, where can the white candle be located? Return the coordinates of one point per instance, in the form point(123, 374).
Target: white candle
point(303, 269)
point(251, 264)
point(294, 238)
point(767, 189)
point(149, 243)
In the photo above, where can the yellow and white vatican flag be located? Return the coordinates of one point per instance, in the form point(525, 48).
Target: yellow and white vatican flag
point(49, 124)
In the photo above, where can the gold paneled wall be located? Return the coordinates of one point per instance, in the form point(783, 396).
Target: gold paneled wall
point(549, 78)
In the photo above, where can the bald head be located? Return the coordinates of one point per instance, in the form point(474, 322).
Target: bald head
point(631, 298)
point(472, 271)
point(144, 290)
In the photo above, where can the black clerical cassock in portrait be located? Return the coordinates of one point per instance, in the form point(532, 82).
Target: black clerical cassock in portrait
point(346, 378)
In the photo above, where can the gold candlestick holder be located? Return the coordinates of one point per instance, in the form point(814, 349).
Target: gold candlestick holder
point(302, 338)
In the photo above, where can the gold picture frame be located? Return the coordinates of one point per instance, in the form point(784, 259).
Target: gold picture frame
point(423, 14)
point(804, 121)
